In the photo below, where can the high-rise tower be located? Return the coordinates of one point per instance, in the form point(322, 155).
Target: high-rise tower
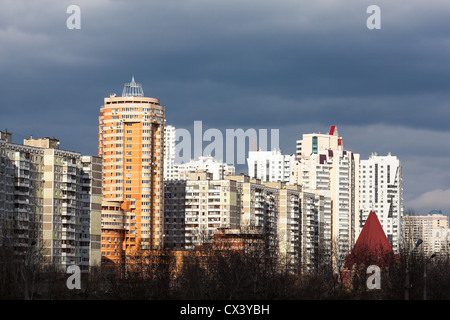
point(131, 144)
point(324, 167)
point(381, 190)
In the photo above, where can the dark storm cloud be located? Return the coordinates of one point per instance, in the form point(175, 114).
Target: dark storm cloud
point(314, 58)
point(293, 65)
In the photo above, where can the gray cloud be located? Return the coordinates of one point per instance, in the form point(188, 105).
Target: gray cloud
point(295, 65)
point(437, 199)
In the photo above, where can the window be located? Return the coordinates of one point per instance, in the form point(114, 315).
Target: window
point(314, 145)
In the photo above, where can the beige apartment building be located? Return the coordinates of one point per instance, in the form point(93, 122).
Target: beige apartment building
point(50, 202)
point(91, 209)
point(432, 229)
point(288, 219)
point(131, 144)
point(196, 207)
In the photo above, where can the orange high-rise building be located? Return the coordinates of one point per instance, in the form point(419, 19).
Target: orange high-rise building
point(131, 144)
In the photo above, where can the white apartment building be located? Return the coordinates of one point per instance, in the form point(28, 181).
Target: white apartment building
point(207, 163)
point(270, 166)
point(323, 166)
point(181, 171)
point(169, 153)
point(381, 190)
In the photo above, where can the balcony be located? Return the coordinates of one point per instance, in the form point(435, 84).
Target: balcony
point(71, 213)
point(68, 229)
point(22, 183)
point(69, 179)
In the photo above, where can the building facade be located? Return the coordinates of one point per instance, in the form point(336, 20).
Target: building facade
point(91, 209)
point(131, 144)
point(270, 166)
point(381, 191)
point(182, 171)
point(323, 167)
point(290, 222)
point(432, 229)
point(170, 169)
point(50, 201)
point(198, 206)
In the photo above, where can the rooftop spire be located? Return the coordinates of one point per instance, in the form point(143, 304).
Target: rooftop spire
point(372, 246)
point(132, 89)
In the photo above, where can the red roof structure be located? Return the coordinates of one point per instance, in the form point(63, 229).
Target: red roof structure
point(332, 128)
point(372, 246)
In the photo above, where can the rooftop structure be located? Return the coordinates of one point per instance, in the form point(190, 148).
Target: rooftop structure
point(132, 89)
point(372, 246)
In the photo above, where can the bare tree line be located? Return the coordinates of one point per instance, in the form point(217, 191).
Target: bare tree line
point(255, 272)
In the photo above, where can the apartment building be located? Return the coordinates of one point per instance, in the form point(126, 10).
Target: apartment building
point(175, 214)
point(131, 144)
point(288, 212)
point(49, 202)
point(182, 171)
point(381, 191)
point(270, 166)
point(170, 167)
point(91, 209)
point(316, 229)
point(208, 204)
point(289, 221)
point(432, 229)
point(439, 241)
point(260, 204)
point(322, 166)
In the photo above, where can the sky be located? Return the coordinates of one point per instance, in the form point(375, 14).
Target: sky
point(298, 66)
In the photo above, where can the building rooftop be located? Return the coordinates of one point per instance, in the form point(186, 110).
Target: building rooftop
point(372, 246)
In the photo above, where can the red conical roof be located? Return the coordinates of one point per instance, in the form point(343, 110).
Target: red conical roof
point(372, 246)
